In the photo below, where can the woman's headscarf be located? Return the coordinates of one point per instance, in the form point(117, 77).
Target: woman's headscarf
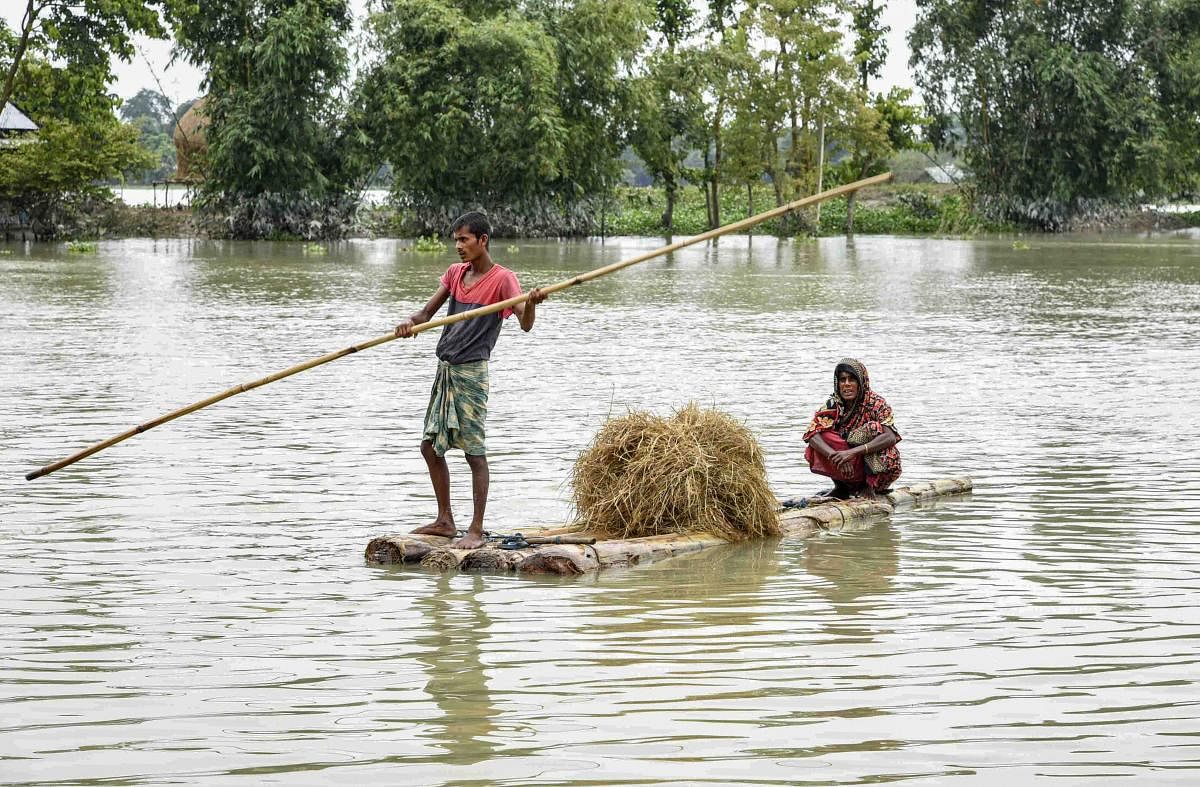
point(846, 417)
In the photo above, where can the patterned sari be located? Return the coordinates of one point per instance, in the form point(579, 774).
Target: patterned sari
point(858, 423)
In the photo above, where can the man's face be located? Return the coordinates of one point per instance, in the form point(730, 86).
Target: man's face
point(469, 247)
point(847, 387)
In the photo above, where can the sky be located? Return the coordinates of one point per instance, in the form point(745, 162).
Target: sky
point(152, 67)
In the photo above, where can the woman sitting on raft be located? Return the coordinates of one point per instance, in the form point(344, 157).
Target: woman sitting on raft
point(852, 439)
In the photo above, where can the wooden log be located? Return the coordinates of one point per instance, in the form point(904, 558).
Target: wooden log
point(561, 559)
point(568, 559)
point(490, 560)
point(407, 548)
point(433, 552)
point(442, 558)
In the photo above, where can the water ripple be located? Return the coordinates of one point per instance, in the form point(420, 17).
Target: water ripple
point(192, 606)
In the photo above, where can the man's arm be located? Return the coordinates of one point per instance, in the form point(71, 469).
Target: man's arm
point(526, 310)
point(404, 329)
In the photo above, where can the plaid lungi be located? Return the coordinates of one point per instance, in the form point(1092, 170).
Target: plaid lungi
point(458, 408)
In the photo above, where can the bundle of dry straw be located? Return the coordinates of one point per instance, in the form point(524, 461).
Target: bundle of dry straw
point(697, 471)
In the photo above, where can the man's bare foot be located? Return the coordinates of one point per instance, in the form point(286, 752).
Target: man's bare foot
point(470, 541)
point(438, 527)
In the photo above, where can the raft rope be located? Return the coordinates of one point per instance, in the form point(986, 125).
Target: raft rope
point(519, 541)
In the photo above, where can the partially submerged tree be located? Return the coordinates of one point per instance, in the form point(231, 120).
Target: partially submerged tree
point(1065, 107)
point(80, 143)
point(517, 109)
point(881, 124)
point(285, 157)
point(715, 62)
point(669, 110)
point(788, 95)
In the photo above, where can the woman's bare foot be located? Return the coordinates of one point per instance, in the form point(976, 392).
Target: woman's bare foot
point(471, 540)
point(438, 527)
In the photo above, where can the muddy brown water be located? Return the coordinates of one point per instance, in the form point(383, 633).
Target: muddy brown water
point(193, 606)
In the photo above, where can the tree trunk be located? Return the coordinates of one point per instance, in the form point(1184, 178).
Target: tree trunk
point(706, 189)
point(714, 216)
point(785, 220)
point(668, 217)
point(821, 165)
point(750, 204)
point(714, 207)
point(850, 200)
point(26, 29)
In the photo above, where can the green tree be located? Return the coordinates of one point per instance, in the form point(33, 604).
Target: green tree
point(147, 103)
point(751, 134)
point(714, 62)
point(158, 144)
point(1063, 106)
point(1170, 31)
point(80, 34)
point(150, 112)
point(522, 111)
point(598, 42)
point(870, 44)
point(285, 155)
point(880, 125)
point(465, 113)
point(804, 93)
point(668, 115)
point(80, 143)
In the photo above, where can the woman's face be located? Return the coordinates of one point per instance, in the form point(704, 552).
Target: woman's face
point(847, 385)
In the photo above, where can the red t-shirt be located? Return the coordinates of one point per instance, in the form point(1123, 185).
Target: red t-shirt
point(473, 339)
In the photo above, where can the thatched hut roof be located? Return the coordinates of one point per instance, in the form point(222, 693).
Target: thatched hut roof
point(190, 142)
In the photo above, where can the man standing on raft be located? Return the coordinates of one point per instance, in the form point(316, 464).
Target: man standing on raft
point(852, 439)
point(458, 402)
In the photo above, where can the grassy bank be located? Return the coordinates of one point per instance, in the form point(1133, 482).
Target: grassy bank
point(893, 209)
point(905, 209)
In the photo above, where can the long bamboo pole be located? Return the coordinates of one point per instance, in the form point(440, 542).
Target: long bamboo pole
point(483, 310)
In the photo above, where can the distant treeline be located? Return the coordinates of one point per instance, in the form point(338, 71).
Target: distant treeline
point(525, 109)
point(150, 111)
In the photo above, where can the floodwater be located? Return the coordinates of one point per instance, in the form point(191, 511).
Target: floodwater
point(192, 606)
point(177, 194)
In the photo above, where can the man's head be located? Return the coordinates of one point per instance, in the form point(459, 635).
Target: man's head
point(470, 232)
point(475, 223)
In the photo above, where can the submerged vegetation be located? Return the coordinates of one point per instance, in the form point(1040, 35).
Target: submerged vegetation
point(1064, 111)
point(430, 244)
point(902, 209)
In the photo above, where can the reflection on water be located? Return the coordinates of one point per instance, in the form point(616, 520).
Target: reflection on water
point(192, 605)
point(857, 571)
point(452, 637)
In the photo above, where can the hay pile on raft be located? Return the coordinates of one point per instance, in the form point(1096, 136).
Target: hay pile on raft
point(696, 471)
